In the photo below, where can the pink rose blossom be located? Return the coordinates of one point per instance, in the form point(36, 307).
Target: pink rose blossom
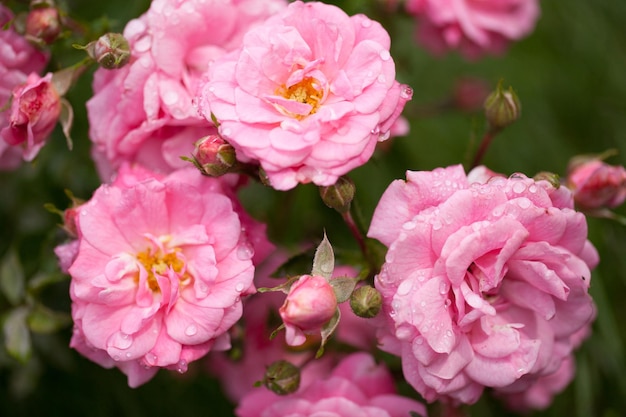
point(161, 265)
point(357, 387)
point(596, 184)
point(310, 304)
point(472, 27)
point(308, 95)
point(18, 59)
point(143, 112)
point(35, 110)
point(485, 282)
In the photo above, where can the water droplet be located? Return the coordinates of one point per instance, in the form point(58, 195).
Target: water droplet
point(436, 224)
point(405, 288)
point(524, 203)
point(381, 78)
point(409, 226)
point(521, 371)
point(532, 189)
point(422, 303)
point(406, 92)
point(225, 132)
point(143, 44)
point(404, 332)
point(384, 136)
point(375, 131)
point(448, 333)
point(128, 354)
point(447, 303)
point(151, 358)
point(366, 23)
point(121, 340)
point(170, 97)
point(384, 55)
point(116, 357)
point(191, 330)
point(497, 212)
point(443, 288)
point(519, 187)
point(245, 252)
point(182, 367)
point(419, 340)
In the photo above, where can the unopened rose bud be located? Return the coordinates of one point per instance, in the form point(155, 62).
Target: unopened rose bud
point(310, 304)
point(282, 377)
point(213, 155)
point(110, 51)
point(366, 301)
point(596, 184)
point(340, 195)
point(551, 177)
point(502, 107)
point(43, 25)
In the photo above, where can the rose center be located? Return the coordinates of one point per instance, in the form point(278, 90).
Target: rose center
point(308, 91)
point(159, 263)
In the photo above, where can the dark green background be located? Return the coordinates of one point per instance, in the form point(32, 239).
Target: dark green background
point(570, 75)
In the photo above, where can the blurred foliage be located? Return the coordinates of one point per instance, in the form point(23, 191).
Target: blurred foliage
point(569, 75)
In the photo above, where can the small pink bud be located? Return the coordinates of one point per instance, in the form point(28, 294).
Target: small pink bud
point(502, 107)
point(310, 304)
point(110, 51)
point(340, 195)
point(213, 155)
point(597, 184)
point(34, 112)
point(43, 25)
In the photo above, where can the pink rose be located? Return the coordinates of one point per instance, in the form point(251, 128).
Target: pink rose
point(18, 58)
point(485, 282)
point(310, 304)
point(35, 110)
point(161, 266)
point(472, 27)
point(596, 184)
point(357, 387)
point(143, 112)
point(308, 94)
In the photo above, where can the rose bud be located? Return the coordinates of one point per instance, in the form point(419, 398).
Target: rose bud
point(110, 51)
point(366, 301)
point(43, 25)
point(282, 377)
point(339, 196)
point(310, 304)
point(597, 184)
point(502, 107)
point(213, 155)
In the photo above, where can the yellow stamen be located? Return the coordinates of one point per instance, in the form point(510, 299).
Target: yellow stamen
point(308, 91)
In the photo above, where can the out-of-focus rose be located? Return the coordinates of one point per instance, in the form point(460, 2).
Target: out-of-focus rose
point(43, 24)
point(472, 27)
point(35, 110)
point(486, 280)
point(143, 112)
point(161, 266)
point(308, 95)
point(310, 304)
point(17, 60)
point(357, 387)
point(596, 184)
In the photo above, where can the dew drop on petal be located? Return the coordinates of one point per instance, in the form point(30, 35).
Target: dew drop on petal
point(443, 288)
point(245, 252)
point(519, 187)
point(419, 340)
point(498, 211)
point(170, 97)
point(182, 367)
point(436, 224)
point(225, 132)
point(366, 23)
point(409, 226)
point(191, 330)
point(239, 287)
point(524, 203)
point(151, 358)
point(128, 354)
point(381, 78)
point(447, 303)
point(405, 288)
point(384, 55)
point(406, 92)
point(532, 189)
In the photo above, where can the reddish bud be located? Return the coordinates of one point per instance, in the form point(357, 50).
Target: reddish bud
point(43, 25)
point(469, 94)
point(597, 184)
point(213, 155)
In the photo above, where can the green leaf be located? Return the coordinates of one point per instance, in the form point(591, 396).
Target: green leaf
point(327, 331)
point(343, 287)
point(12, 278)
point(43, 320)
point(324, 260)
point(16, 334)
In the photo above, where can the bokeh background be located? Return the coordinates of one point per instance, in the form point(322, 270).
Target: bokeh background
point(570, 75)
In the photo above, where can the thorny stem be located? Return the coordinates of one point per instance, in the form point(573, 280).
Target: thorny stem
point(356, 232)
